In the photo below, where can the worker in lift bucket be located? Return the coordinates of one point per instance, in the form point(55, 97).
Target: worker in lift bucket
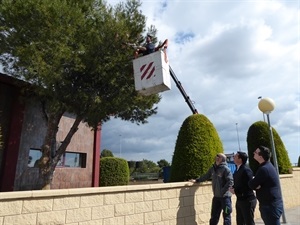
point(148, 48)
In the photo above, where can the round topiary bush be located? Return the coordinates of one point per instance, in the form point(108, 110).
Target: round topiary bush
point(196, 147)
point(113, 171)
point(106, 153)
point(259, 134)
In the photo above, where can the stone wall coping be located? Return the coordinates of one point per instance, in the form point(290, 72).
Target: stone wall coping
point(102, 190)
point(92, 190)
point(282, 176)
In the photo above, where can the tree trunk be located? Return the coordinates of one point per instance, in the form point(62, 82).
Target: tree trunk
point(51, 155)
point(45, 171)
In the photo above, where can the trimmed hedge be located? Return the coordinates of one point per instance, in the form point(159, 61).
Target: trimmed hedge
point(106, 153)
point(259, 134)
point(196, 147)
point(113, 171)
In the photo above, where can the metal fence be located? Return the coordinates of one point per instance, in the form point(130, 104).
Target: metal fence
point(144, 176)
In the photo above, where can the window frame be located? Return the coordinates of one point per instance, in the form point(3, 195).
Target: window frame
point(79, 159)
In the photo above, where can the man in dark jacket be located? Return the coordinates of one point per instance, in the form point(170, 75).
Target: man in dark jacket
point(246, 200)
point(267, 186)
point(222, 180)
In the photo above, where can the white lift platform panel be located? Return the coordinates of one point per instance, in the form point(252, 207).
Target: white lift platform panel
point(151, 73)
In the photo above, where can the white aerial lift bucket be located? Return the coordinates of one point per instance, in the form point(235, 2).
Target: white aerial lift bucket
point(151, 73)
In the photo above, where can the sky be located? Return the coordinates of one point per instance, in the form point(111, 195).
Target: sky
point(225, 54)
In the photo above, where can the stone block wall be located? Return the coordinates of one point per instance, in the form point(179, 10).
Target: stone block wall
point(290, 186)
point(158, 204)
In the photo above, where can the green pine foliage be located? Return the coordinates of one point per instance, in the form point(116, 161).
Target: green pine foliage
point(258, 134)
point(75, 56)
point(196, 147)
point(113, 171)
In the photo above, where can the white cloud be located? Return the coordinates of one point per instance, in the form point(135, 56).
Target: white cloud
point(226, 54)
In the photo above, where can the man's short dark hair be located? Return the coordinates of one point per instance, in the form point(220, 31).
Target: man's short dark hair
point(243, 156)
point(222, 156)
point(265, 152)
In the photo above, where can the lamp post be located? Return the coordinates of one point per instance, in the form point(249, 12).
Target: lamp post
point(266, 106)
point(120, 145)
point(238, 137)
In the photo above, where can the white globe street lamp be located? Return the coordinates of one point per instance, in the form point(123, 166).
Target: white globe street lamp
point(266, 106)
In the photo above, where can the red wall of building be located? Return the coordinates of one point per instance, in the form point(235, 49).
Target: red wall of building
point(23, 127)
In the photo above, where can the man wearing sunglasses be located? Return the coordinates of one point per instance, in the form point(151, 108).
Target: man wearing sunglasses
point(246, 200)
point(267, 187)
point(222, 180)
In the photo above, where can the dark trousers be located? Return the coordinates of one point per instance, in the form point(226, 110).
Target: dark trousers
point(245, 212)
point(271, 213)
point(219, 204)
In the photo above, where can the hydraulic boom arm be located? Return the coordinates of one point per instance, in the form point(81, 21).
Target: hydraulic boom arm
point(185, 96)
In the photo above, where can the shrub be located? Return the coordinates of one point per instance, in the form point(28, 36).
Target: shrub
point(106, 153)
point(113, 171)
point(259, 134)
point(196, 147)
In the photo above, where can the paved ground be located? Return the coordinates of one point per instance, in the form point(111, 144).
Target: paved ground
point(292, 216)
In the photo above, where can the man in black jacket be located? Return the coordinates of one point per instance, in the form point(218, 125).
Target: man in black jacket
point(267, 186)
point(221, 182)
point(246, 200)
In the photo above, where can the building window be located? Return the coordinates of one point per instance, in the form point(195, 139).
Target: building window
point(69, 159)
point(73, 159)
point(34, 156)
